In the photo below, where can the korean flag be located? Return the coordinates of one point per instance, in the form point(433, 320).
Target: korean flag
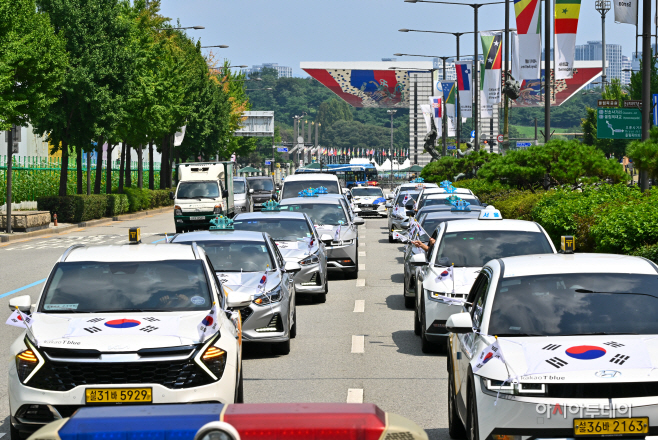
point(18, 319)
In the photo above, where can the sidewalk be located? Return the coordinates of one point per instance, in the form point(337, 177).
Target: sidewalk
point(67, 227)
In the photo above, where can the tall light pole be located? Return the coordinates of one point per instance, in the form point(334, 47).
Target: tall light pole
point(476, 60)
point(547, 70)
point(391, 112)
point(647, 59)
point(603, 6)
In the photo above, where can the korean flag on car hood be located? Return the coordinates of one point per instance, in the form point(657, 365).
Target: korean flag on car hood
point(295, 251)
point(576, 359)
point(249, 285)
point(117, 331)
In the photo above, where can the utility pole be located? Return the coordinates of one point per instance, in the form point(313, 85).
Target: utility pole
point(444, 119)
point(10, 151)
point(603, 6)
point(547, 70)
point(647, 59)
point(415, 119)
point(391, 112)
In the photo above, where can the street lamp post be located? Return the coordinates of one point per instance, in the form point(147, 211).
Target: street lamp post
point(603, 6)
point(647, 59)
point(391, 112)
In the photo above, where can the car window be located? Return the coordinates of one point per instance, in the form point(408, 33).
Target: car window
point(239, 187)
point(220, 288)
point(321, 213)
point(261, 184)
point(194, 190)
point(277, 254)
point(444, 201)
point(92, 287)
point(280, 229)
point(367, 192)
point(292, 189)
point(480, 298)
point(237, 256)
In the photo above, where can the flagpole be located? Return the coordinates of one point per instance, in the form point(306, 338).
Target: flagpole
point(476, 81)
point(547, 70)
point(506, 101)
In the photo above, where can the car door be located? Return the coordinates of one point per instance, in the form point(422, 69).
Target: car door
point(468, 341)
point(287, 279)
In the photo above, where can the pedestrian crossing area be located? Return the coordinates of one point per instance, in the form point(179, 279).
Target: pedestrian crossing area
point(67, 241)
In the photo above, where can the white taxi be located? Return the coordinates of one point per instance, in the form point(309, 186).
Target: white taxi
point(447, 271)
point(133, 324)
point(556, 346)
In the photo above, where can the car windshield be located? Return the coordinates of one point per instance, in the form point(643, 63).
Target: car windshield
point(476, 248)
point(292, 189)
point(281, 229)
point(410, 202)
point(430, 224)
point(238, 187)
point(367, 192)
point(443, 201)
point(237, 256)
point(158, 286)
point(197, 190)
point(261, 184)
point(321, 213)
point(576, 304)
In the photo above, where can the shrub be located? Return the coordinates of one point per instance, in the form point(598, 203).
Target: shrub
point(74, 209)
point(138, 199)
point(449, 167)
point(650, 252)
point(518, 204)
point(64, 207)
point(160, 197)
point(117, 204)
point(487, 192)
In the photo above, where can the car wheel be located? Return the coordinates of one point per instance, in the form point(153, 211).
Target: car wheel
point(416, 320)
point(239, 392)
point(409, 302)
point(425, 345)
point(472, 431)
point(456, 428)
point(281, 348)
point(179, 230)
point(293, 329)
point(390, 238)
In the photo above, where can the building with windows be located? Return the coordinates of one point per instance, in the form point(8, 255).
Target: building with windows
point(626, 67)
point(283, 71)
point(593, 50)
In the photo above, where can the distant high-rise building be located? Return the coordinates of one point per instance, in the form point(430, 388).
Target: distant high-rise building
point(282, 71)
point(637, 56)
point(626, 67)
point(592, 51)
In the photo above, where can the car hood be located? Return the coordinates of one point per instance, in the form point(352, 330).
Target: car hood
point(365, 199)
point(244, 285)
point(526, 359)
point(464, 279)
point(347, 232)
point(196, 205)
point(295, 251)
point(239, 197)
point(65, 330)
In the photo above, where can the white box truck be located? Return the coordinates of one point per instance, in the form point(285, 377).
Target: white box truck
point(204, 190)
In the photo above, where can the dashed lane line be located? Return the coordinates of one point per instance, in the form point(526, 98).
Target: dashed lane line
point(362, 267)
point(362, 245)
point(359, 306)
point(358, 343)
point(355, 395)
point(361, 282)
point(362, 253)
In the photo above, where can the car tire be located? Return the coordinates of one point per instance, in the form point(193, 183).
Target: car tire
point(293, 329)
point(426, 346)
point(281, 348)
point(390, 238)
point(320, 298)
point(179, 230)
point(456, 428)
point(409, 302)
point(472, 431)
point(239, 392)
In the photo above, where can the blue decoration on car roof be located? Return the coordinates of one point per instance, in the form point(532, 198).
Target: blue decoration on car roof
point(450, 189)
point(445, 184)
point(461, 205)
point(419, 180)
point(271, 206)
point(310, 192)
point(220, 223)
point(321, 190)
point(452, 199)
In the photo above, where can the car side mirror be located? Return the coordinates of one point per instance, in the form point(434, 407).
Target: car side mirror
point(23, 302)
point(326, 238)
point(388, 205)
point(359, 221)
point(460, 323)
point(251, 190)
point(171, 195)
point(225, 193)
point(418, 259)
point(278, 187)
point(292, 267)
point(389, 196)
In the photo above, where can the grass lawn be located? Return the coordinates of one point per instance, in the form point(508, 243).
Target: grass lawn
point(529, 132)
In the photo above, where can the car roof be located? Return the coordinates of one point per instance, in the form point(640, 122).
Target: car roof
point(413, 185)
point(429, 191)
point(408, 192)
point(546, 264)
point(443, 208)
point(493, 225)
point(131, 252)
point(445, 195)
point(448, 214)
point(316, 200)
point(222, 235)
point(270, 214)
point(310, 176)
point(259, 177)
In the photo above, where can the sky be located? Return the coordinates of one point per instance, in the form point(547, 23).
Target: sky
point(292, 31)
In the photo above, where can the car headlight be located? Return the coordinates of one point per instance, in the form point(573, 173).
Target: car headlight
point(178, 210)
point(270, 297)
point(214, 358)
point(450, 299)
point(311, 259)
point(518, 389)
point(217, 210)
point(436, 296)
point(27, 362)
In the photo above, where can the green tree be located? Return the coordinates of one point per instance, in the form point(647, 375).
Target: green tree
point(333, 111)
point(636, 80)
point(645, 154)
point(32, 63)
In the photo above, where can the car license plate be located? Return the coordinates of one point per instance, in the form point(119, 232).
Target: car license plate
point(198, 217)
point(597, 427)
point(118, 395)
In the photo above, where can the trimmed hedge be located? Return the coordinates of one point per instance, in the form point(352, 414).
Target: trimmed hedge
point(138, 199)
point(650, 252)
point(117, 204)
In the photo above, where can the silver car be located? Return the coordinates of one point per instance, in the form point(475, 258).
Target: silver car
point(398, 223)
point(241, 199)
point(336, 228)
point(250, 266)
point(298, 242)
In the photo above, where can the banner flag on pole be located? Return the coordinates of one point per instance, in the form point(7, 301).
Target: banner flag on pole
point(566, 26)
point(528, 25)
point(464, 85)
point(486, 109)
point(427, 115)
point(449, 92)
point(626, 12)
point(436, 107)
point(492, 50)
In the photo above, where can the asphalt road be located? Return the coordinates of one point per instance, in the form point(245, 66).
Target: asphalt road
point(358, 346)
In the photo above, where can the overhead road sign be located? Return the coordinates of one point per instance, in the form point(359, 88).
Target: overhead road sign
point(282, 149)
point(618, 123)
point(633, 103)
point(611, 103)
point(268, 162)
point(523, 144)
point(452, 147)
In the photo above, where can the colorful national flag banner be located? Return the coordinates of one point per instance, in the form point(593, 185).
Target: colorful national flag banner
point(566, 26)
point(464, 86)
point(528, 49)
point(436, 104)
point(492, 50)
point(449, 94)
point(486, 108)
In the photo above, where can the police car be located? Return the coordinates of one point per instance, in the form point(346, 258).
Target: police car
point(556, 346)
point(415, 185)
point(282, 421)
point(370, 200)
point(446, 273)
point(132, 324)
point(251, 268)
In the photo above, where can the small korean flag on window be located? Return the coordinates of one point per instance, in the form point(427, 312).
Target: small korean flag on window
point(18, 319)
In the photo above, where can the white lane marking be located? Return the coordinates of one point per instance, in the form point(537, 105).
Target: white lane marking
point(361, 282)
point(359, 306)
point(362, 267)
point(358, 343)
point(362, 245)
point(355, 395)
point(362, 253)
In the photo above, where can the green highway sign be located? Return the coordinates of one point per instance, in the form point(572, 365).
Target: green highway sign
point(618, 123)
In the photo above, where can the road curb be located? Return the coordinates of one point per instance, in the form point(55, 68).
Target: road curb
point(97, 222)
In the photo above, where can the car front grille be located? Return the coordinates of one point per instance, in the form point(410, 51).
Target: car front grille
point(601, 390)
point(64, 376)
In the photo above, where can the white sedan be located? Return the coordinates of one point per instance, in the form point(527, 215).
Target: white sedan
point(133, 324)
point(556, 346)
